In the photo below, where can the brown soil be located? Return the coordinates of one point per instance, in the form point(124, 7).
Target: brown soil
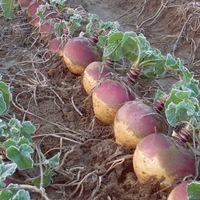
point(92, 166)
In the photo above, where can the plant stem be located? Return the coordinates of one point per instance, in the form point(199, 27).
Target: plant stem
point(34, 188)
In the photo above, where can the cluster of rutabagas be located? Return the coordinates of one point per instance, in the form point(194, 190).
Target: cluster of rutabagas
point(136, 125)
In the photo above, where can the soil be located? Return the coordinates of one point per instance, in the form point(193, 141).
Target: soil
point(92, 165)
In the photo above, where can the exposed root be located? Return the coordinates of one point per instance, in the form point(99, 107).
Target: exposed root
point(154, 17)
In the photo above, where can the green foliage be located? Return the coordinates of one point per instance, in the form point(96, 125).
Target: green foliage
point(180, 107)
point(60, 4)
point(193, 190)
point(47, 176)
point(6, 169)
point(53, 161)
point(173, 64)
point(118, 45)
point(19, 147)
point(19, 154)
point(5, 97)
point(7, 7)
point(182, 104)
point(74, 22)
point(96, 25)
point(59, 27)
point(14, 192)
point(187, 82)
point(93, 19)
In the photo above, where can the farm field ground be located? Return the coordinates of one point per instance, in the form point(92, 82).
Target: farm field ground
point(93, 166)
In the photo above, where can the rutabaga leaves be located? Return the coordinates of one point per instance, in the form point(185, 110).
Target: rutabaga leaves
point(90, 27)
point(6, 195)
point(47, 178)
point(27, 128)
point(7, 7)
point(19, 152)
point(75, 22)
point(3, 128)
point(113, 48)
point(59, 27)
point(180, 106)
point(54, 161)
point(21, 195)
point(18, 129)
point(172, 63)
point(13, 192)
point(5, 171)
point(153, 63)
point(21, 156)
point(193, 190)
point(108, 26)
point(5, 97)
point(188, 82)
point(3, 106)
point(59, 3)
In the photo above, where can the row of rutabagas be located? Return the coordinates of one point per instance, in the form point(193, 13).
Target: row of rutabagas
point(98, 57)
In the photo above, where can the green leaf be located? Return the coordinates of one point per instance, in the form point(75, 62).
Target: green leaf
point(154, 70)
point(18, 129)
point(3, 128)
point(180, 106)
point(145, 45)
point(7, 8)
point(13, 192)
point(127, 36)
point(5, 91)
point(59, 27)
point(21, 156)
point(59, 3)
point(75, 22)
point(27, 128)
point(9, 142)
point(15, 127)
point(7, 169)
point(108, 25)
point(153, 63)
point(130, 45)
point(3, 106)
point(113, 48)
point(193, 190)
point(6, 195)
point(54, 161)
point(47, 175)
point(188, 83)
point(21, 195)
point(23, 140)
point(90, 27)
point(172, 63)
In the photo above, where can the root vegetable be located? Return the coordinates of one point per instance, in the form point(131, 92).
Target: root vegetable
point(93, 73)
point(134, 121)
point(55, 46)
point(108, 97)
point(179, 192)
point(159, 156)
point(32, 9)
point(46, 29)
point(24, 3)
point(78, 53)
